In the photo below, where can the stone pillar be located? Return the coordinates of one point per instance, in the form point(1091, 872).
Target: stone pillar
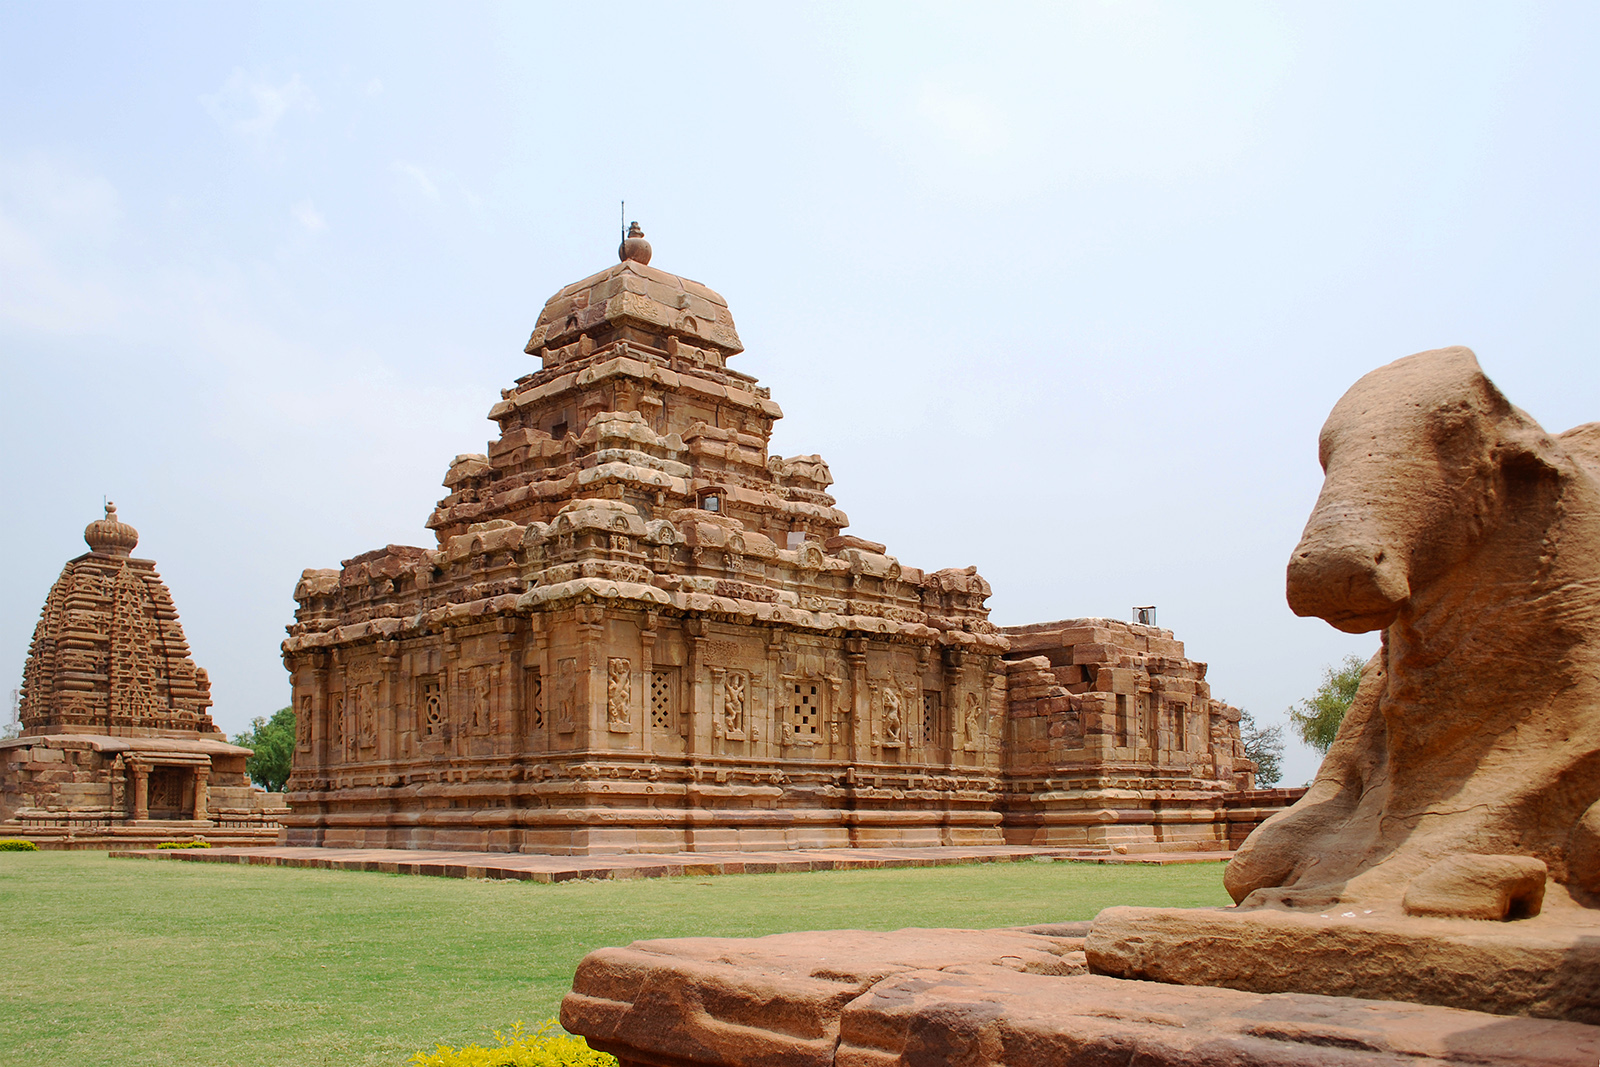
point(954, 714)
point(647, 664)
point(507, 699)
point(141, 790)
point(855, 653)
point(545, 699)
point(591, 700)
point(693, 705)
point(773, 734)
point(317, 677)
point(385, 720)
point(202, 792)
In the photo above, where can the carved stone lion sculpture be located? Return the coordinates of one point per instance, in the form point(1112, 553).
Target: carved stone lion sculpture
point(1465, 778)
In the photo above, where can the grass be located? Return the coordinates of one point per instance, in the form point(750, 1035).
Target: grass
point(134, 962)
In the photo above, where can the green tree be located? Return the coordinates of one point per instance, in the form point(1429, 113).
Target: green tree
point(1265, 746)
point(1316, 719)
point(273, 742)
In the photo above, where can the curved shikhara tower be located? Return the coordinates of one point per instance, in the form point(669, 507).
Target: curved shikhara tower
point(109, 655)
point(639, 630)
point(117, 740)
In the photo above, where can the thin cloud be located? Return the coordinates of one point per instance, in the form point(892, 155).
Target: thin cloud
point(307, 215)
point(971, 124)
point(418, 175)
point(253, 108)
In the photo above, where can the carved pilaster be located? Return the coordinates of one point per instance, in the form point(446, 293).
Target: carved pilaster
point(202, 792)
point(591, 680)
point(647, 660)
point(855, 654)
point(141, 789)
point(388, 700)
point(695, 698)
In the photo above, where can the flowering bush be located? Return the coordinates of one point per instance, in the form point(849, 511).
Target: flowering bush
point(183, 844)
point(11, 844)
point(548, 1046)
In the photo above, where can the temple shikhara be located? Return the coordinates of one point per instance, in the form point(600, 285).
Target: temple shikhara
point(638, 630)
point(117, 743)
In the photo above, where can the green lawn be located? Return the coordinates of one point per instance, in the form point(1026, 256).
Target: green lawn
point(133, 962)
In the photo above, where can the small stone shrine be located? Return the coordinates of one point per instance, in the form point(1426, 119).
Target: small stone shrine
point(117, 747)
point(641, 631)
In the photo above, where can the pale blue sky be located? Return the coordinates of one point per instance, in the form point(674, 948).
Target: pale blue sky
point(1063, 291)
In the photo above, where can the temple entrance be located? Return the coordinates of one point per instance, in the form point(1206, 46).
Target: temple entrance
point(172, 793)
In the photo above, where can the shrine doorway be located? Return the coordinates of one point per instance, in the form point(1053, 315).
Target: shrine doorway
point(171, 793)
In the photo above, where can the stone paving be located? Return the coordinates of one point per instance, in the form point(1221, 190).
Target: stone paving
point(539, 868)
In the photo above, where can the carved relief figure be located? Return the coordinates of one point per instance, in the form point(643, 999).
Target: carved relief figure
point(733, 703)
point(302, 724)
point(481, 689)
point(367, 720)
point(566, 695)
point(619, 693)
point(893, 720)
point(972, 724)
point(336, 722)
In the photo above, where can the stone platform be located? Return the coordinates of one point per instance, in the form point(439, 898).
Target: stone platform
point(986, 998)
point(533, 868)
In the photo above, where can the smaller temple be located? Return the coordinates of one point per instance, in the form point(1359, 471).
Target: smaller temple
point(117, 746)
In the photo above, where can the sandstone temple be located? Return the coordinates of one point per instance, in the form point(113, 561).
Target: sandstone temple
point(638, 630)
point(117, 746)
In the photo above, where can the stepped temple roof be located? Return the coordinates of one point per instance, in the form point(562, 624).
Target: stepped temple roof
point(640, 630)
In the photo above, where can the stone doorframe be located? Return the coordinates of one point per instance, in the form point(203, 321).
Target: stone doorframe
point(140, 764)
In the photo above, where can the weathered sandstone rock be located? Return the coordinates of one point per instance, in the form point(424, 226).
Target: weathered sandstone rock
point(1471, 538)
point(965, 998)
point(1464, 780)
point(773, 999)
point(1547, 967)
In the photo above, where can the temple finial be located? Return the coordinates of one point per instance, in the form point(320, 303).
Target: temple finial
point(634, 246)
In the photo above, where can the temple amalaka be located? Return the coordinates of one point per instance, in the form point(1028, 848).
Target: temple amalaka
point(638, 630)
point(117, 745)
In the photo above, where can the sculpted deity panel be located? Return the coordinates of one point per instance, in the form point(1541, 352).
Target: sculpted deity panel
point(732, 723)
point(566, 695)
point(619, 695)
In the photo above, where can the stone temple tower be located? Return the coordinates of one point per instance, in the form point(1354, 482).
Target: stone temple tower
point(117, 743)
point(639, 630)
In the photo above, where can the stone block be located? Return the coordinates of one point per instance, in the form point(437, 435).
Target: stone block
point(1544, 966)
point(990, 998)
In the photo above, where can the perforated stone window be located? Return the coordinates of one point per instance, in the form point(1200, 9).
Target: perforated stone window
point(807, 713)
point(432, 709)
point(930, 715)
point(534, 695)
point(661, 700)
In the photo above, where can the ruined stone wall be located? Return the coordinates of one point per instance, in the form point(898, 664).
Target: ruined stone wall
point(1113, 738)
